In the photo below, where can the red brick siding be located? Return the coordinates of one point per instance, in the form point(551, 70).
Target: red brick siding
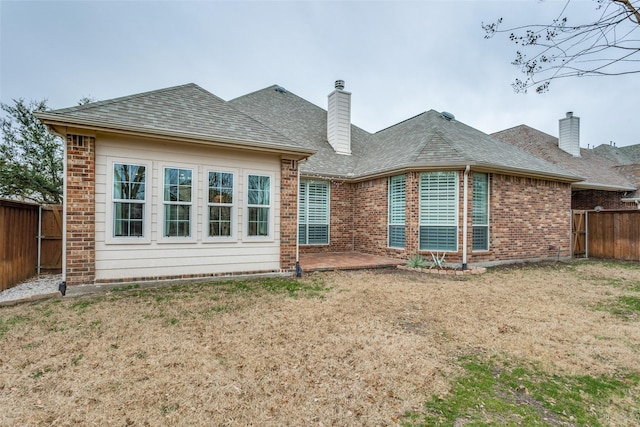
point(288, 213)
point(589, 199)
point(80, 203)
point(529, 218)
point(412, 214)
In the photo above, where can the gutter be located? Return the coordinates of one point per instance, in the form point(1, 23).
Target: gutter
point(53, 120)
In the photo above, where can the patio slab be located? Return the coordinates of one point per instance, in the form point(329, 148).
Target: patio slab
point(345, 261)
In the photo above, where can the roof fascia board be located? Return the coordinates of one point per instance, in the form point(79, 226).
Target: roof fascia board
point(88, 125)
point(595, 186)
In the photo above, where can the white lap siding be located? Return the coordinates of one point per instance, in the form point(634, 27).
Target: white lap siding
point(117, 259)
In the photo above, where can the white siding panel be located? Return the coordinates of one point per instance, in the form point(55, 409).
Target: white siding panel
point(117, 261)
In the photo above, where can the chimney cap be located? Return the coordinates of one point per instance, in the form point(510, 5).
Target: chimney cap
point(569, 114)
point(340, 84)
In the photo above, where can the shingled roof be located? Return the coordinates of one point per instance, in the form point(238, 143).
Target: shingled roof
point(599, 172)
point(425, 141)
point(186, 111)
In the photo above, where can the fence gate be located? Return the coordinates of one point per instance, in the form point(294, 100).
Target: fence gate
point(578, 234)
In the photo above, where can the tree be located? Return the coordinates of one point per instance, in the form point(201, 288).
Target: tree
point(608, 46)
point(31, 159)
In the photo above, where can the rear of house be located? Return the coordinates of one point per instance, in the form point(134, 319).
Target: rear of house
point(178, 183)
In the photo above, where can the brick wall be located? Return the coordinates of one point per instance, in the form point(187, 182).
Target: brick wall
point(80, 203)
point(530, 218)
point(288, 213)
point(589, 199)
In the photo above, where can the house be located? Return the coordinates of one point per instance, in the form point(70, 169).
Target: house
point(178, 183)
point(611, 175)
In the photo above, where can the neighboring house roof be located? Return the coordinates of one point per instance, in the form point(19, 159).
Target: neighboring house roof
point(599, 172)
point(424, 141)
point(186, 111)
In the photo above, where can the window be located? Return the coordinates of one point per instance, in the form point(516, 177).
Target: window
point(397, 186)
point(220, 202)
point(439, 211)
point(480, 212)
point(313, 213)
point(129, 200)
point(259, 205)
point(177, 202)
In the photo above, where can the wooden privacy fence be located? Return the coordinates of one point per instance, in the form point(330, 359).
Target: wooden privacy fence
point(607, 234)
point(30, 241)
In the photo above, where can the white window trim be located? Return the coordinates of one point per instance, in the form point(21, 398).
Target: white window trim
point(389, 223)
point(194, 204)
point(306, 215)
point(234, 208)
point(110, 239)
point(488, 225)
point(457, 209)
point(272, 223)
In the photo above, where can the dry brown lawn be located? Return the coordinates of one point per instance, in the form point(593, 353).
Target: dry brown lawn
point(371, 347)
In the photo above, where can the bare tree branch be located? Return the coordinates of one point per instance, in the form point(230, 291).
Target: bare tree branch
point(607, 46)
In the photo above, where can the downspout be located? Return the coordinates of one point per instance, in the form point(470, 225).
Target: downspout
point(298, 268)
point(465, 202)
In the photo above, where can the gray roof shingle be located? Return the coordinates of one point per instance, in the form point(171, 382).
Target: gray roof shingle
point(187, 110)
point(424, 141)
point(598, 171)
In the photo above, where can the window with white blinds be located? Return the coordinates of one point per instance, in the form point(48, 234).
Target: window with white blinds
point(480, 214)
point(397, 186)
point(313, 212)
point(439, 211)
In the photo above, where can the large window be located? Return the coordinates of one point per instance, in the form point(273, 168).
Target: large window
point(480, 212)
point(258, 205)
point(439, 211)
point(177, 200)
point(220, 202)
point(129, 200)
point(397, 186)
point(313, 213)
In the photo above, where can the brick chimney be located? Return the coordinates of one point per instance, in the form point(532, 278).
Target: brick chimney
point(339, 119)
point(569, 139)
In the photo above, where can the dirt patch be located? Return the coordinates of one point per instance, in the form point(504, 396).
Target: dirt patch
point(364, 352)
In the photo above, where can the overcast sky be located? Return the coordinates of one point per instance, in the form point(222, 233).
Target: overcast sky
point(398, 58)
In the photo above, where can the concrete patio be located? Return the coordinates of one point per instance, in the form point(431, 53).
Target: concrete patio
point(345, 261)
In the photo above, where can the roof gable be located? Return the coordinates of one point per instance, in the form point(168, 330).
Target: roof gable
point(186, 110)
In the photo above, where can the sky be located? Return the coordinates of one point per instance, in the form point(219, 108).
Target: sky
point(398, 58)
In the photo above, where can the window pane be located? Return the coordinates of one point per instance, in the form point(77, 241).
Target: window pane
point(177, 221)
point(259, 190)
point(397, 204)
point(220, 187)
point(439, 211)
point(396, 236)
point(128, 219)
point(219, 221)
point(177, 185)
point(128, 182)
point(434, 238)
point(313, 212)
point(480, 198)
point(258, 221)
point(480, 238)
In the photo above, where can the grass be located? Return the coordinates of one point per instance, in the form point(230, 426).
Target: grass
point(340, 348)
point(495, 392)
